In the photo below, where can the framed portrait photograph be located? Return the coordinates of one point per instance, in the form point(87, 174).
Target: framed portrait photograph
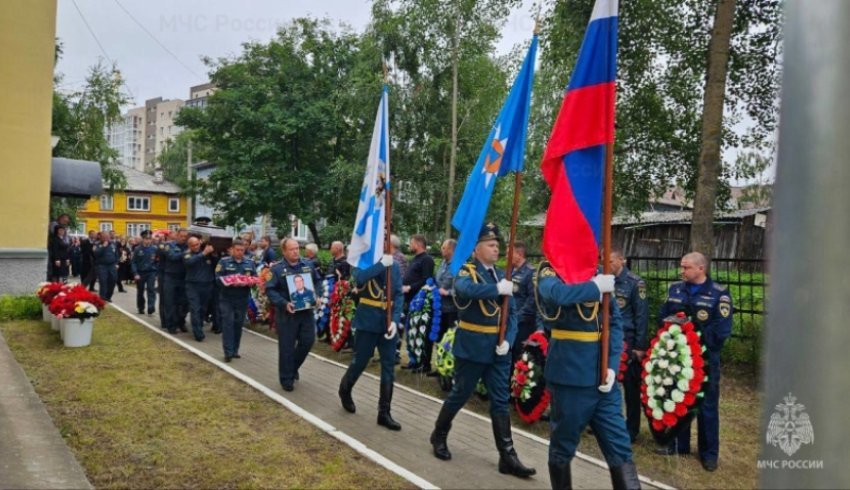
point(302, 292)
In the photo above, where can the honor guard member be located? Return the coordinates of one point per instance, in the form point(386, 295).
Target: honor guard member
point(200, 278)
point(630, 291)
point(296, 330)
point(479, 289)
point(572, 376)
point(175, 283)
point(143, 266)
point(370, 324)
point(106, 254)
point(709, 305)
point(233, 300)
point(523, 297)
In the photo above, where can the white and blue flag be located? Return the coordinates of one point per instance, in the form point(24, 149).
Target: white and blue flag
point(367, 240)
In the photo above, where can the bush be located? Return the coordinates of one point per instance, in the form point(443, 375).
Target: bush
point(19, 307)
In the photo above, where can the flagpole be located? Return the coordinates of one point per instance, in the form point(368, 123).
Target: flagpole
point(606, 254)
point(388, 224)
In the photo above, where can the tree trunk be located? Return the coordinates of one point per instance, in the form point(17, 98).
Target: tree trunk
point(710, 164)
point(315, 232)
point(453, 150)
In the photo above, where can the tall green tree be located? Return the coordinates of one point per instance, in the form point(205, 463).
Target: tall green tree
point(80, 120)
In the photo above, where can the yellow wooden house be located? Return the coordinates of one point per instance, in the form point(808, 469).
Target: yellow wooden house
point(147, 203)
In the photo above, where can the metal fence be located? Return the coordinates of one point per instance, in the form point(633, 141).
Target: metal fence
point(747, 280)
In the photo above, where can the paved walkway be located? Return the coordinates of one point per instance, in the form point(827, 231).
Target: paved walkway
point(32, 453)
point(474, 457)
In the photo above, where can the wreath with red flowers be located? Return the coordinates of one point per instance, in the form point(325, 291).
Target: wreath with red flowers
point(672, 378)
point(528, 386)
point(624, 362)
point(342, 313)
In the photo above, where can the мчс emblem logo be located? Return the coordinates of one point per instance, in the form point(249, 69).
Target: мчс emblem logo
point(789, 427)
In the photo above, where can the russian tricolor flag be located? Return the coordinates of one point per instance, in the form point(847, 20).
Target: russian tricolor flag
point(574, 161)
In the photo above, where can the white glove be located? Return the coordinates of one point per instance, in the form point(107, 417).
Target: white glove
point(609, 382)
point(505, 287)
point(393, 327)
point(605, 283)
point(503, 348)
point(387, 260)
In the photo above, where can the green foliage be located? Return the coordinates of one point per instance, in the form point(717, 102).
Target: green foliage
point(19, 307)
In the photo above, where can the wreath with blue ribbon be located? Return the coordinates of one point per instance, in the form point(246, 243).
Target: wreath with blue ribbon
point(323, 305)
point(419, 322)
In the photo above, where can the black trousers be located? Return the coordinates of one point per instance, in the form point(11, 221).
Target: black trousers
point(631, 392)
point(296, 333)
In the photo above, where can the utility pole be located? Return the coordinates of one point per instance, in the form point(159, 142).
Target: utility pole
point(453, 150)
point(189, 217)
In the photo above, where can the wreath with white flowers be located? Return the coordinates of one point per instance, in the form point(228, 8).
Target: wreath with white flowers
point(342, 308)
point(420, 317)
point(322, 312)
point(446, 363)
point(672, 378)
point(528, 386)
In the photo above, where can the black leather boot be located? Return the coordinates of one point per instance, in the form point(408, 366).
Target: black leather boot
point(441, 433)
point(625, 477)
point(345, 387)
point(384, 402)
point(509, 462)
point(560, 476)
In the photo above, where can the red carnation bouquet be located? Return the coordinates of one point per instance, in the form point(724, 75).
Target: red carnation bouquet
point(48, 290)
point(76, 302)
point(672, 378)
point(240, 280)
point(342, 313)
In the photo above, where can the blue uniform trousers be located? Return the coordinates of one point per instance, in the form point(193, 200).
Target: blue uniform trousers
point(198, 294)
point(174, 297)
point(107, 276)
point(496, 378)
point(708, 418)
point(296, 333)
point(364, 347)
point(231, 315)
point(573, 408)
point(160, 289)
point(146, 284)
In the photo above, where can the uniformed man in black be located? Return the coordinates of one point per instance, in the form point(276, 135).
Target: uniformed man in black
point(200, 277)
point(233, 300)
point(630, 293)
point(296, 330)
point(524, 298)
point(161, 243)
point(143, 265)
point(105, 254)
point(175, 283)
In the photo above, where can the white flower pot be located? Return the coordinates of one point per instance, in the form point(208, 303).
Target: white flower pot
point(78, 333)
point(45, 313)
point(62, 328)
point(54, 323)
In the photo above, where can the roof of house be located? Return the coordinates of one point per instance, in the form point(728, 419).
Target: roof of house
point(142, 182)
point(658, 217)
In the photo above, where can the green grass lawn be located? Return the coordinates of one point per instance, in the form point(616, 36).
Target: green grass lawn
point(739, 412)
point(140, 412)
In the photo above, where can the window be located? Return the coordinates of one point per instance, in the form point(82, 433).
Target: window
point(81, 228)
point(137, 203)
point(173, 226)
point(106, 203)
point(105, 226)
point(173, 205)
point(135, 229)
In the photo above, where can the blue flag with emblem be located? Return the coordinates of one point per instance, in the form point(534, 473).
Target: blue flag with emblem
point(367, 240)
point(503, 152)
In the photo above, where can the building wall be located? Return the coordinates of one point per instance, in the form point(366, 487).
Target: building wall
point(27, 46)
point(127, 138)
point(166, 130)
point(95, 216)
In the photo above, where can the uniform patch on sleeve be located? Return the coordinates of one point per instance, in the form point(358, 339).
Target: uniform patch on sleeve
point(218, 267)
point(548, 272)
point(725, 309)
point(463, 272)
point(702, 315)
point(725, 299)
point(642, 290)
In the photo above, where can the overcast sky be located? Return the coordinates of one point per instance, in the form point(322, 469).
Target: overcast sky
point(158, 44)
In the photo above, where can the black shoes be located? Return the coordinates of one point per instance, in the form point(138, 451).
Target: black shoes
point(287, 386)
point(345, 386)
point(441, 432)
point(142, 311)
point(237, 356)
point(665, 451)
point(560, 476)
point(509, 462)
point(709, 464)
point(384, 402)
point(228, 358)
point(625, 477)
point(183, 328)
